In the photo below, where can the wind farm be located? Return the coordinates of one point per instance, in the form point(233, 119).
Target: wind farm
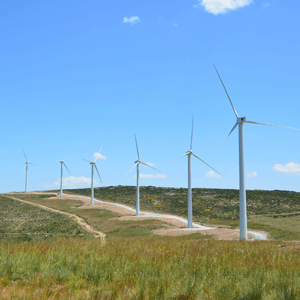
point(199, 214)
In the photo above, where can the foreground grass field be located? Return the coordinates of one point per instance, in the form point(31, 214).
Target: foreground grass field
point(136, 264)
point(277, 212)
point(186, 267)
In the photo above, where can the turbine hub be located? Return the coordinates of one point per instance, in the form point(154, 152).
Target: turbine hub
point(241, 119)
point(137, 161)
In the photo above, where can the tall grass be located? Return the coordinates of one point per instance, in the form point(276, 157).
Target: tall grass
point(188, 267)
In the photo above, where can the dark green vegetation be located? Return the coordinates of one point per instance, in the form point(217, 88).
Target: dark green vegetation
point(100, 219)
point(21, 221)
point(277, 212)
point(171, 268)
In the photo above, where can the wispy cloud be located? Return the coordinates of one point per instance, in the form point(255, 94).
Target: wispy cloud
point(99, 156)
point(266, 4)
point(290, 168)
point(132, 20)
point(73, 182)
point(212, 174)
point(158, 176)
point(252, 175)
point(175, 24)
point(222, 6)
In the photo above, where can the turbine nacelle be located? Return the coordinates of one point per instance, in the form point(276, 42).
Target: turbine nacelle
point(137, 161)
point(241, 119)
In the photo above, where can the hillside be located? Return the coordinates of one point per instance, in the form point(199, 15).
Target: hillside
point(25, 222)
point(277, 212)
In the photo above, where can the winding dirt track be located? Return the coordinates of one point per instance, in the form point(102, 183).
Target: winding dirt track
point(172, 224)
point(80, 221)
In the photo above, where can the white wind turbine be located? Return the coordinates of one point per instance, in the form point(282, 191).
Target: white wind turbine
point(240, 122)
point(137, 163)
point(26, 166)
point(62, 164)
point(93, 164)
point(190, 201)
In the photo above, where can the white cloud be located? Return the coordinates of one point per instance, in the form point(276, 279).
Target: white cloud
point(98, 155)
point(222, 6)
point(266, 4)
point(158, 176)
point(132, 20)
point(73, 182)
point(252, 175)
point(290, 168)
point(212, 174)
point(150, 164)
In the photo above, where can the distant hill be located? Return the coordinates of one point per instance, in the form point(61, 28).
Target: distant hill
point(277, 212)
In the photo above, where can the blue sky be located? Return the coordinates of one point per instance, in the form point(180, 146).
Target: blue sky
point(80, 75)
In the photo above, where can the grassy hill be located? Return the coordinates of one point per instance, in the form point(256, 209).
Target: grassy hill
point(277, 212)
point(135, 264)
point(100, 219)
point(25, 222)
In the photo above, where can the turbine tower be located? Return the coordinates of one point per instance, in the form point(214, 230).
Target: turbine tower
point(26, 166)
point(93, 164)
point(62, 164)
point(137, 163)
point(189, 155)
point(240, 122)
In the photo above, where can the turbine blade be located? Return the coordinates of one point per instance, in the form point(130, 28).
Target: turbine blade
point(67, 168)
point(65, 155)
point(99, 153)
point(130, 170)
point(87, 160)
point(149, 166)
point(270, 125)
point(175, 158)
point(25, 156)
point(224, 140)
point(192, 133)
point(206, 163)
point(98, 172)
point(32, 164)
point(137, 148)
point(226, 92)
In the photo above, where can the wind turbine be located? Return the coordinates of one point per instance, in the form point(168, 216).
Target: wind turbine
point(62, 164)
point(240, 122)
point(189, 155)
point(26, 166)
point(137, 163)
point(93, 164)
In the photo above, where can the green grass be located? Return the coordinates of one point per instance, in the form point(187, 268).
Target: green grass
point(100, 219)
point(23, 221)
point(188, 267)
point(267, 210)
point(136, 264)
